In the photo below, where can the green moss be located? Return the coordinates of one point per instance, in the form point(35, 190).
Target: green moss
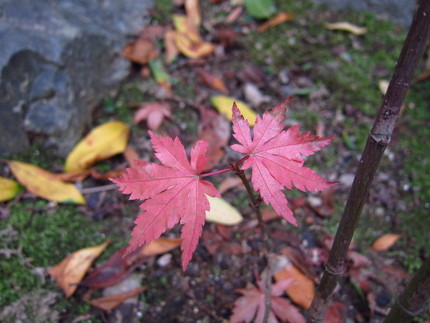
point(36, 155)
point(352, 75)
point(241, 200)
point(414, 136)
point(163, 11)
point(41, 236)
point(118, 109)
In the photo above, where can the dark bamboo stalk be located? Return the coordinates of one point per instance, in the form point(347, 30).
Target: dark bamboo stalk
point(378, 139)
point(413, 300)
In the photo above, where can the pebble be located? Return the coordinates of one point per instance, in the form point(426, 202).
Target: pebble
point(164, 260)
point(346, 179)
point(314, 201)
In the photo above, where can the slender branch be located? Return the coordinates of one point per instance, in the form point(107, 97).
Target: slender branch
point(377, 141)
point(96, 189)
point(255, 204)
point(413, 300)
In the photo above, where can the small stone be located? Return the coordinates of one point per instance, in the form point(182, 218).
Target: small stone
point(254, 96)
point(283, 76)
point(346, 179)
point(58, 60)
point(314, 201)
point(287, 90)
point(379, 211)
point(164, 260)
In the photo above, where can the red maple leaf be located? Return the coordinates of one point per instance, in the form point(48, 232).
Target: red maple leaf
point(276, 157)
point(252, 305)
point(172, 193)
point(154, 114)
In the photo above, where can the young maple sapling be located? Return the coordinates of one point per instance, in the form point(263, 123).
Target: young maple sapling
point(175, 191)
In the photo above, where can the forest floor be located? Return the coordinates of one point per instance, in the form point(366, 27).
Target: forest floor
point(335, 78)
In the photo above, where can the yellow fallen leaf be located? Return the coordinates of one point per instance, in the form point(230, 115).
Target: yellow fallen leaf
point(44, 184)
point(72, 269)
point(185, 26)
point(383, 86)
point(386, 241)
point(302, 290)
point(190, 48)
point(222, 212)
point(102, 142)
point(193, 11)
point(8, 189)
point(224, 105)
point(346, 26)
point(108, 303)
point(160, 246)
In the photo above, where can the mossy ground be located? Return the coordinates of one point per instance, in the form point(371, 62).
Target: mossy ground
point(348, 66)
point(39, 235)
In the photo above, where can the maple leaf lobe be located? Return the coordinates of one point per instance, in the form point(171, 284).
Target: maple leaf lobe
point(172, 192)
point(276, 157)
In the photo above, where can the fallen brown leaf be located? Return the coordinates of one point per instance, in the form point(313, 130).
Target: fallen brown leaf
point(160, 246)
point(327, 207)
point(109, 273)
point(106, 175)
point(229, 183)
point(227, 36)
point(301, 290)
point(108, 303)
point(118, 267)
point(299, 261)
point(212, 81)
point(269, 214)
point(72, 269)
point(386, 241)
point(278, 19)
point(130, 156)
point(76, 176)
point(141, 51)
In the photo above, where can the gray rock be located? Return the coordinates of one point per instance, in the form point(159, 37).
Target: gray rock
point(58, 60)
point(400, 11)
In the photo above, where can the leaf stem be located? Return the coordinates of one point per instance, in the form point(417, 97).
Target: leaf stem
point(255, 204)
point(240, 162)
point(225, 170)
